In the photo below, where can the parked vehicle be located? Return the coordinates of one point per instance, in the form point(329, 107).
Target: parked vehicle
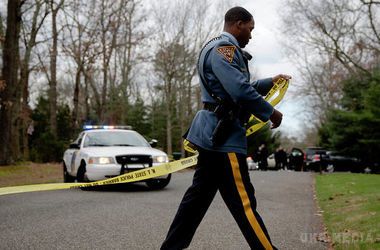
point(296, 159)
point(313, 157)
point(102, 152)
point(334, 161)
point(251, 164)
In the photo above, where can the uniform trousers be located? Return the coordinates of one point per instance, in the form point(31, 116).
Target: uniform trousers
point(228, 173)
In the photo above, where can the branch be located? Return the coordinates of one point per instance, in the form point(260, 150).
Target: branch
point(370, 2)
point(370, 16)
point(43, 67)
point(338, 50)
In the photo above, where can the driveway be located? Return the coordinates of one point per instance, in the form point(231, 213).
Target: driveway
point(135, 217)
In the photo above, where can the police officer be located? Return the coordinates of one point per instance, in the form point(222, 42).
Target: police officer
point(228, 96)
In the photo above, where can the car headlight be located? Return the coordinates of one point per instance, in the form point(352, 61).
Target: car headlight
point(101, 160)
point(160, 159)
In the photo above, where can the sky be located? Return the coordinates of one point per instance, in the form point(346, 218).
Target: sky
point(270, 59)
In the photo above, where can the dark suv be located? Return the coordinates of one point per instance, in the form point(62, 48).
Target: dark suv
point(313, 156)
point(335, 161)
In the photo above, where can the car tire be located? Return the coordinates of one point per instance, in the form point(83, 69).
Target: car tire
point(158, 183)
point(367, 170)
point(81, 174)
point(67, 178)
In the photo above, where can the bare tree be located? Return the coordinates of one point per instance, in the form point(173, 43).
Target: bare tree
point(2, 38)
point(129, 54)
point(110, 23)
point(333, 39)
point(183, 27)
point(54, 7)
point(9, 82)
point(102, 38)
point(80, 44)
point(31, 25)
point(167, 65)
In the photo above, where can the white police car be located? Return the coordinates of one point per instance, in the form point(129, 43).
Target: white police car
point(102, 152)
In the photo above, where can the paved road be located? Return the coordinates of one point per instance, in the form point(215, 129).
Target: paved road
point(137, 218)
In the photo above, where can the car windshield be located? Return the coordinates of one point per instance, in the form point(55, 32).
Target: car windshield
point(315, 151)
point(114, 138)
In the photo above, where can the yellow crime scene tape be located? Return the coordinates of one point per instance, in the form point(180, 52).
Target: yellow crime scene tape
point(139, 175)
point(274, 96)
point(279, 87)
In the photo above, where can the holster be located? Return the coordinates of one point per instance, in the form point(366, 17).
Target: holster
point(244, 117)
point(226, 118)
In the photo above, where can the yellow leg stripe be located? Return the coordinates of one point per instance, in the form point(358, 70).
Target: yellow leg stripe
point(246, 203)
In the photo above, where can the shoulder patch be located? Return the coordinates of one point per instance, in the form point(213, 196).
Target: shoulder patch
point(227, 52)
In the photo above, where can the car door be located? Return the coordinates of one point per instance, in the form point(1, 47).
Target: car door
point(72, 154)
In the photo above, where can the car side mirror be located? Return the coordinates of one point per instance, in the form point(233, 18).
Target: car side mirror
point(153, 143)
point(74, 145)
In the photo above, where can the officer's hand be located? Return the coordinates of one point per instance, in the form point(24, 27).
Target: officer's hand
point(276, 118)
point(286, 77)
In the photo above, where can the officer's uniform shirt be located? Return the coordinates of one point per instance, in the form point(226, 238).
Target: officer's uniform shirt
point(227, 75)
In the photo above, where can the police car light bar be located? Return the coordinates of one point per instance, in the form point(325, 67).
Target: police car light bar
point(89, 127)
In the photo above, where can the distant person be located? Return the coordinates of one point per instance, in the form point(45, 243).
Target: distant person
point(282, 158)
point(263, 157)
point(277, 159)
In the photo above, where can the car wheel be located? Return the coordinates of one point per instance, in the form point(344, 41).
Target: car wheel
point(81, 177)
point(330, 168)
point(367, 170)
point(67, 178)
point(158, 183)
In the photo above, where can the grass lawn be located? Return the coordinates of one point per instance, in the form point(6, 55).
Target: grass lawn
point(30, 173)
point(351, 209)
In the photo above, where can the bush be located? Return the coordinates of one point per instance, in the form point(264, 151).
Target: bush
point(44, 146)
point(47, 148)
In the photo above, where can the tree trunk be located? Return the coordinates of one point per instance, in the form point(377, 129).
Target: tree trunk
point(86, 98)
point(29, 42)
point(9, 84)
point(169, 145)
point(75, 123)
point(182, 123)
point(2, 35)
point(53, 72)
point(104, 93)
point(25, 109)
point(96, 98)
point(168, 113)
